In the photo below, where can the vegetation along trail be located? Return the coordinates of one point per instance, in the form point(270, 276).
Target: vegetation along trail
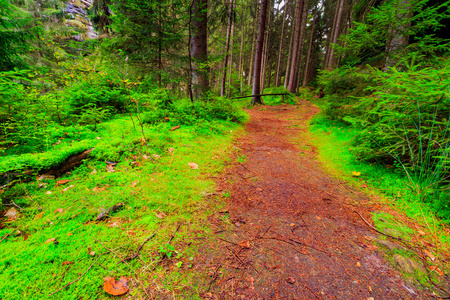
point(296, 232)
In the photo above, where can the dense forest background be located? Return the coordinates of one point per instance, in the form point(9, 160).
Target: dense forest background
point(115, 80)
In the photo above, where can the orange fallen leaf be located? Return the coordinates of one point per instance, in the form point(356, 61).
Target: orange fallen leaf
point(99, 189)
point(39, 215)
point(245, 244)
point(58, 210)
point(61, 182)
point(156, 156)
point(193, 165)
point(364, 185)
point(429, 254)
point(67, 188)
point(356, 173)
point(45, 176)
point(358, 264)
point(116, 288)
point(67, 263)
point(110, 168)
point(318, 218)
point(175, 128)
point(134, 183)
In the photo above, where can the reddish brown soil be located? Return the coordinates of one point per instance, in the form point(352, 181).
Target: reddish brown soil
point(294, 233)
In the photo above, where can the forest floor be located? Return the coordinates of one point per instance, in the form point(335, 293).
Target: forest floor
point(292, 231)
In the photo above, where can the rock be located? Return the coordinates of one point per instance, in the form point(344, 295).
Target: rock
point(408, 265)
point(393, 232)
point(390, 245)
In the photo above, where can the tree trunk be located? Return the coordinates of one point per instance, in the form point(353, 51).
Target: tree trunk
point(280, 50)
point(288, 62)
point(294, 66)
point(227, 49)
point(266, 49)
point(336, 33)
point(240, 54)
point(199, 48)
point(302, 45)
point(308, 56)
point(231, 58)
point(258, 56)
point(326, 62)
point(255, 33)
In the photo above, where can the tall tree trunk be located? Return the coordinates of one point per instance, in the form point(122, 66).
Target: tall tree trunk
point(231, 58)
point(280, 50)
point(269, 71)
point(227, 49)
point(240, 53)
point(336, 33)
point(199, 48)
point(255, 33)
point(308, 56)
point(295, 48)
point(326, 62)
point(258, 57)
point(302, 45)
point(266, 48)
point(159, 46)
point(288, 62)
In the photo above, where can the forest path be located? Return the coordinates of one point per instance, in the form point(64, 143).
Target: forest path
point(294, 233)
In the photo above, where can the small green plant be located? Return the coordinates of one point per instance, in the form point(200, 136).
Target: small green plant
point(241, 159)
point(166, 251)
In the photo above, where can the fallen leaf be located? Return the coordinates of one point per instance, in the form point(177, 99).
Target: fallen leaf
point(429, 254)
point(170, 150)
point(50, 240)
point(58, 210)
point(364, 185)
point(318, 218)
point(39, 215)
point(69, 234)
point(193, 165)
point(92, 253)
point(437, 270)
point(99, 189)
point(61, 182)
point(290, 280)
point(166, 119)
point(48, 192)
point(134, 183)
point(420, 232)
point(356, 173)
point(292, 224)
point(115, 288)
point(245, 244)
point(143, 141)
point(369, 238)
point(2, 191)
point(160, 215)
point(93, 172)
point(175, 128)
point(12, 214)
point(99, 138)
point(67, 188)
point(66, 263)
point(110, 168)
point(358, 264)
point(144, 156)
point(156, 156)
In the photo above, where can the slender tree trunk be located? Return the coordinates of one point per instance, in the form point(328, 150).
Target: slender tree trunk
point(240, 53)
point(269, 72)
point(255, 33)
point(231, 58)
point(266, 48)
point(159, 47)
point(308, 56)
point(288, 62)
point(295, 48)
point(227, 49)
point(326, 63)
point(258, 57)
point(280, 50)
point(199, 48)
point(336, 33)
point(302, 45)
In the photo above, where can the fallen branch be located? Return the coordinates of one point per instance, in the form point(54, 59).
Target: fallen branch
point(312, 292)
point(70, 283)
point(380, 232)
point(139, 249)
point(6, 235)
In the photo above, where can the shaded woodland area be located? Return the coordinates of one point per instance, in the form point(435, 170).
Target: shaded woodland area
point(116, 115)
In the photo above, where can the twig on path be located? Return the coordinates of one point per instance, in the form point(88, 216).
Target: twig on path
point(268, 228)
point(287, 242)
point(117, 255)
point(6, 235)
point(227, 241)
point(173, 235)
point(13, 203)
point(308, 246)
point(343, 267)
point(139, 249)
point(306, 286)
point(380, 232)
point(70, 283)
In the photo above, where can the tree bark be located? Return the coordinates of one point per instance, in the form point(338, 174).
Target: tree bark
point(255, 33)
point(240, 53)
point(308, 56)
point(280, 50)
point(288, 63)
point(302, 45)
point(231, 57)
point(336, 33)
point(227, 49)
point(199, 48)
point(258, 56)
point(294, 67)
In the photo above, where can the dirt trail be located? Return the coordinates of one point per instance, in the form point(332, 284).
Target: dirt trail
point(294, 232)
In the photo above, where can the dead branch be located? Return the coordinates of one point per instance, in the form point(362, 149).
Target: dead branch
point(139, 249)
point(72, 282)
point(6, 235)
point(380, 232)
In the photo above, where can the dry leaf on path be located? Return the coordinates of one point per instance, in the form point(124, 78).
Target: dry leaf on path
point(354, 173)
point(437, 270)
point(175, 128)
point(193, 165)
point(245, 244)
point(67, 263)
point(429, 254)
point(290, 280)
point(61, 182)
point(115, 288)
point(156, 156)
point(110, 168)
point(58, 210)
point(99, 189)
point(12, 214)
point(50, 240)
point(39, 215)
point(45, 176)
point(134, 183)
